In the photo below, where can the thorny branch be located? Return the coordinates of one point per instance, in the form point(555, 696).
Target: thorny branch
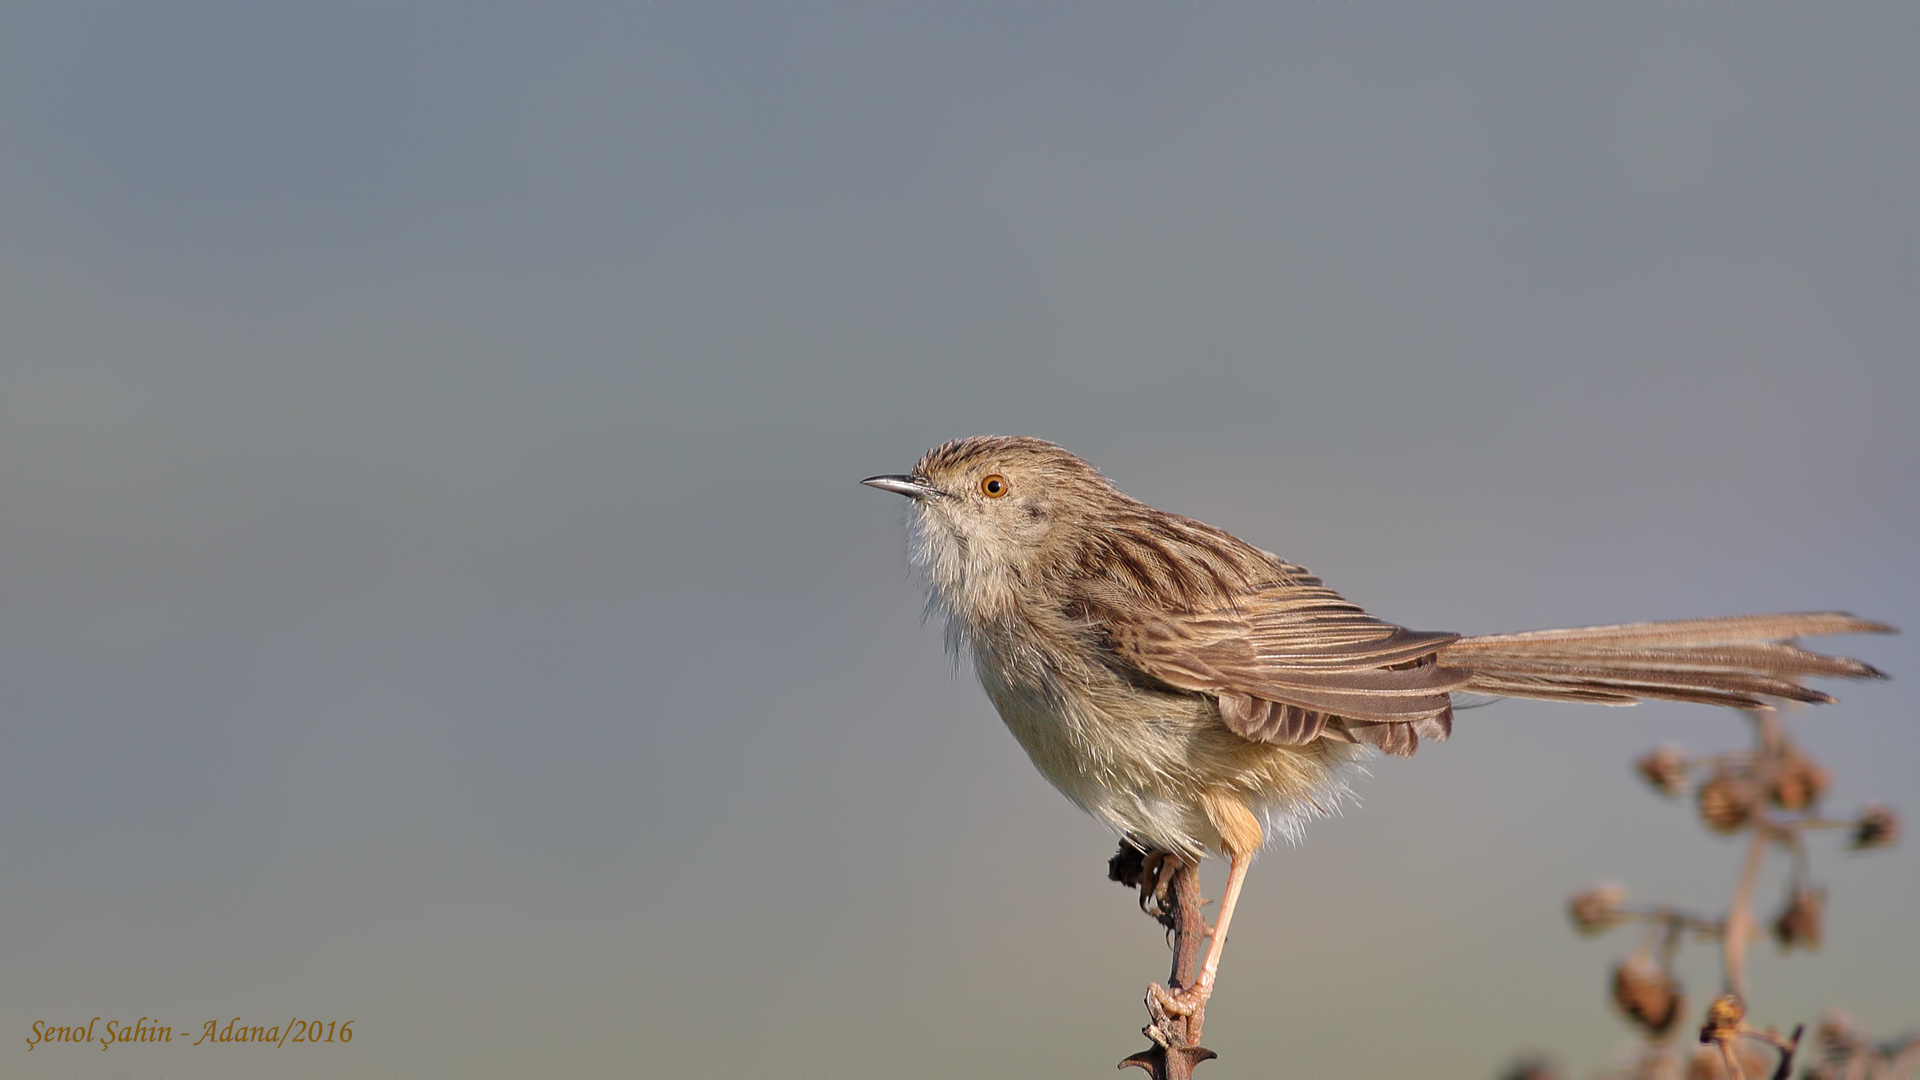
point(1169, 889)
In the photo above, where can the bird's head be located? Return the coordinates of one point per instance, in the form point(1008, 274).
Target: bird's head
point(993, 512)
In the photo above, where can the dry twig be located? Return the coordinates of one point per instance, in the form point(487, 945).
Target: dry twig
point(1169, 891)
point(1770, 792)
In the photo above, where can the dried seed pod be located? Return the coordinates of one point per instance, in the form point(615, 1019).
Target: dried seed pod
point(1878, 827)
point(1647, 994)
point(1799, 923)
point(1665, 769)
point(1596, 909)
point(1797, 782)
point(1728, 801)
point(1724, 1018)
point(1838, 1035)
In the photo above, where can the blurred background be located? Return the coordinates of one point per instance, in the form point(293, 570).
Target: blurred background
point(438, 594)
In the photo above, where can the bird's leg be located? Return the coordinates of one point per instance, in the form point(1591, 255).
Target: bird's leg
point(1188, 1001)
point(1240, 837)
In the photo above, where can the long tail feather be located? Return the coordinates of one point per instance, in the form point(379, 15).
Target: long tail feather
point(1724, 630)
point(1739, 661)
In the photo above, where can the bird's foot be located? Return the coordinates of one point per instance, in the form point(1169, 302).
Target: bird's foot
point(1156, 877)
point(1151, 872)
point(1156, 885)
point(1185, 1001)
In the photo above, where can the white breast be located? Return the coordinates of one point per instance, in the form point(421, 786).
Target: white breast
point(1134, 774)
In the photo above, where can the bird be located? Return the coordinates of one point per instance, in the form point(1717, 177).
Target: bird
point(1200, 695)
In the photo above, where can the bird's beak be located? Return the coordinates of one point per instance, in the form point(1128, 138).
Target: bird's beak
point(913, 487)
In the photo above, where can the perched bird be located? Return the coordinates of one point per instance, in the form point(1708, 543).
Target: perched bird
point(1195, 692)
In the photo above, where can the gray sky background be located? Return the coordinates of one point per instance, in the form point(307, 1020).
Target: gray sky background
point(437, 593)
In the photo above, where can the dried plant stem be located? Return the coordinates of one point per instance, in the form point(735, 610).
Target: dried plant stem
point(1176, 1050)
point(1732, 1062)
point(1740, 914)
point(1788, 1048)
point(1771, 793)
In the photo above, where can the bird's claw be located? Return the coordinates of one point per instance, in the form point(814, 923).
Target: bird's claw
point(1156, 877)
point(1157, 872)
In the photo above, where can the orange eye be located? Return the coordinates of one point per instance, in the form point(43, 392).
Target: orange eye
point(993, 486)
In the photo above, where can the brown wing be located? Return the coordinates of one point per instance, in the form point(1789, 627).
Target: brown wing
point(1293, 662)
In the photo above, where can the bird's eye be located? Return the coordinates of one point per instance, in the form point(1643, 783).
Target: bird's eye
point(993, 486)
